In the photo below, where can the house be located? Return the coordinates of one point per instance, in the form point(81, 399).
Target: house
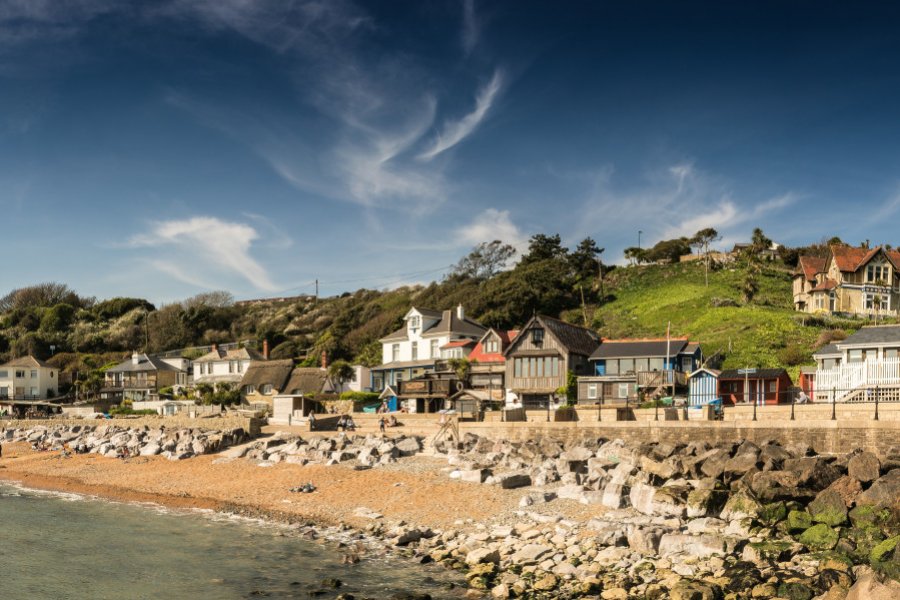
point(487, 369)
point(855, 369)
point(770, 253)
point(361, 380)
point(415, 348)
point(704, 386)
point(28, 378)
point(142, 377)
point(540, 357)
point(225, 366)
point(853, 281)
point(264, 379)
point(307, 381)
point(628, 369)
point(763, 386)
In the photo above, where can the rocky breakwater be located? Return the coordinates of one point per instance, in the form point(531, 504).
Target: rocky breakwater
point(694, 521)
point(361, 452)
point(122, 442)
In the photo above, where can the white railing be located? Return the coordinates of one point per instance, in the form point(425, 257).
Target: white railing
point(850, 376)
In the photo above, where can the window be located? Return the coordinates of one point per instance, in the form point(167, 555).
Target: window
point(517, 364)
point(537, 336)
point(540, 367)
point(240, 366)
point(231, 366)
point(20, 374)
point(877, 302)
point(656, 364)
point(33, 391)
point(555, 366)
point(877, 273)
point(51, 374)
point(889, 353)
point(414, 322)
point(435, 349)
point(623, 390)
point(415, 351)
point(854, 356)
point(592, 391)
point(642, 364)
point(626, 365)
point(773, 386)
point(266, 388)
point(395, 352)
point(34, 373)
point(4, 374)
point(612, 367)
point(249, 389)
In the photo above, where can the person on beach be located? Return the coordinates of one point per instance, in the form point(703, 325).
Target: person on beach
point(381, 424)
point(312, 421)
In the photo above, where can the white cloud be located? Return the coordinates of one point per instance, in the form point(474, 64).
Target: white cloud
point(455, 132)
point(210, 246)
point(490, 225)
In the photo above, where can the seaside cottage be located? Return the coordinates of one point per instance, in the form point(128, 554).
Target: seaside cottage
point(625, 370)
point(541, 356)
point(28, 378)
point(763, 386)
point(226, 366)
point(857, 368)
point(140, 378)
point(264, 380)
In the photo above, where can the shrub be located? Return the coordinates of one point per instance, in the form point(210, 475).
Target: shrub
point(360, 397)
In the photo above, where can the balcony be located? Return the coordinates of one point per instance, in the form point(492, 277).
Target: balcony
point(427, 388)
point(131, 383)
point(654, 379)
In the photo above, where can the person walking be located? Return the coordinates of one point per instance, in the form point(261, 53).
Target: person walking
point(381, 425)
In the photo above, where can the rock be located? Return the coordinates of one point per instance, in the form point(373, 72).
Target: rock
point(819, 537)
point(482, 555)
point(572, 491)
point(530, 554)
point(577, 454)
point(657, 502)
point(407, 446)
point(828, 508)
point(693, 545)
point(848, 488)
point(867, 587)
point(614, 594)
point(763, 553)
point(884, 550)
point(500, 591)
point(740, 465)
point(812, 472)
point(509, 481)
point(151, 449)
point(703, 502)
point(688, 589)
point(547, 583)
point(714, 465)
point(616, 489)
point(864, 467)
point(662, 470)
point(740, 506)
point(644, 539)
point(798, 520)
point(884, 492)
point(474, 475)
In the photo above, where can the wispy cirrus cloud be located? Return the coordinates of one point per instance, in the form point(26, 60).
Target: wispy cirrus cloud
point(471, 28)
point(454, 132)
point(211, 246)
point(489, 225)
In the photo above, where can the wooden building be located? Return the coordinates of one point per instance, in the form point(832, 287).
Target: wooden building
point(540, 358)
point(763, 386)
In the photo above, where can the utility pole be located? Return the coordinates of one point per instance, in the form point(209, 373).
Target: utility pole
point(639, 238)
point(317, 291)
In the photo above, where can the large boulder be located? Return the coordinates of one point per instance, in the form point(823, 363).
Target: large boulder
point(884, 492)
point(829, 508)
point(408, 446)
point(509, 481)
point(812, 472)
point(644, 539)
point(693, 545)
point(867, 587)
point(740, 506)
point(864, 467)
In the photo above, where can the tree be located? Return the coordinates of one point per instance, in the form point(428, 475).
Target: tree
point(701, 240)
point(585, 260)
point(636, 255)
point(669, 250)
point(759, 242)
point(543, 247)
point(484, 261)
point(462, 367)
point(339, 373)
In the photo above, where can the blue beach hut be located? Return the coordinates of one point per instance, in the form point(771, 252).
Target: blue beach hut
point(703, 387)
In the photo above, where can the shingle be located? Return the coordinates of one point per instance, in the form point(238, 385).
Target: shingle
point(636, 348)
point(882, 334)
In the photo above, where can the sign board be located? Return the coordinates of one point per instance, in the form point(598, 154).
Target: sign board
point(746, 371)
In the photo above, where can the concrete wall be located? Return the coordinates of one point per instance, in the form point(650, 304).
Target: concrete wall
point(252, 426)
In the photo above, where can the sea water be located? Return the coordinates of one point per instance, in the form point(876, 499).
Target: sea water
point(58, 546)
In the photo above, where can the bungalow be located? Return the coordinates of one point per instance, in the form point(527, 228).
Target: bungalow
point(264, 379)
point(539, 359)
point(142, 377)
point(225, 366)
point(763, 386)
point(626, 369)
point(28, 378)
point(849, 370)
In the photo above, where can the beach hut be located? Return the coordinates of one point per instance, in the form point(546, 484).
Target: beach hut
point(703, 386)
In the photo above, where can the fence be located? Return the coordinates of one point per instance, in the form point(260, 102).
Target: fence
point(855, 377)
point(864, 402)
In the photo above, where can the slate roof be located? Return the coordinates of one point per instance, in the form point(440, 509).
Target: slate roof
point(577, 340)
point(27, 362)
point(404, 364)
point(635, 348)
point(759, 374)
point(306, 380)
point(233, 354)
point(448, 324)
point(882, 334)
point(145, 363)
point(827, 350)
point(810, 265)
point(273, 372)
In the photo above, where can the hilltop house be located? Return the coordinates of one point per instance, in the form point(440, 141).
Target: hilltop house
point(225, 366)
point(856, 281)
point(540, 358)
point(413, 350)
point(624, 370)
point(264, 379)
point(28, 378)
point(857, 368)
point(140, 378)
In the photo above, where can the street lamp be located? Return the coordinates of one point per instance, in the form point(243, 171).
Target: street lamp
point(639, 238)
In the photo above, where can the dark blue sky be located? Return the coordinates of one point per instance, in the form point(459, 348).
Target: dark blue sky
point(163, 148)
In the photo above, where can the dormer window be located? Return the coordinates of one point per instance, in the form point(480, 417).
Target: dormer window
point(537, 336)
point(415, 322)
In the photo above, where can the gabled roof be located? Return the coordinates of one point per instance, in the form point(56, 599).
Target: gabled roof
point(145, 363)
point(828, 284)
point(872, 335)
point(827, 350)
point(809, 266)
point(758, 374)
point(233, 354)
point(849, 259)
point(506, 338)
point(425, 312)
point(28, 362)
point(640, 348)
point(449, 323)
point(458, 344)
point(575, 339)
point(306, 380)
point(272, 372)
point(713, 372)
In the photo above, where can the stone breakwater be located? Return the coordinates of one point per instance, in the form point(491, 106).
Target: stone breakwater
point(363, 452)
point(120, 442)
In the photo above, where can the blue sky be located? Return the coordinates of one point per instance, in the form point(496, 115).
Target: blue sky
point(164, 148)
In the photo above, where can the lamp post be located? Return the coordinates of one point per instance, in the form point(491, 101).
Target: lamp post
point(639, 238)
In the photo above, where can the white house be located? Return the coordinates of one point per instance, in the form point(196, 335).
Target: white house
point(413, 349)
point(224, 366)
point(28, 378)
point(855, 369)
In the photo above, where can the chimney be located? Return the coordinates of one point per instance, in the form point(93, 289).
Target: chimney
point(324, 360)
point(266, 349)
point(135, 358)
point(460, 313)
